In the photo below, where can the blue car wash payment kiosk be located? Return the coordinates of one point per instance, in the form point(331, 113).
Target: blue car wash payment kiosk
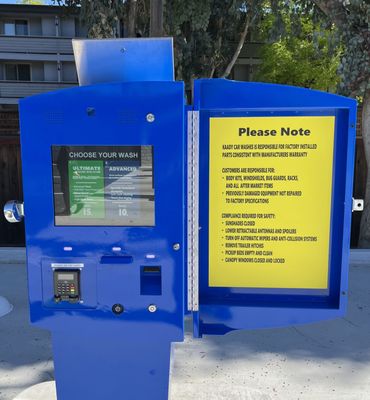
point(140, 209)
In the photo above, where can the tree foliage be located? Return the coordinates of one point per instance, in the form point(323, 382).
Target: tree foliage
point(352, 21)
point(301, 56)
point(206, 33)
point(31, 2)
point(352, 17)
point(99, 16)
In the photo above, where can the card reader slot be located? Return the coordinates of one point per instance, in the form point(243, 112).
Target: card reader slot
point(67, 285)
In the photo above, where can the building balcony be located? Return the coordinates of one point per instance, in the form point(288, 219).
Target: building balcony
point(35, 45)
point(12, 91)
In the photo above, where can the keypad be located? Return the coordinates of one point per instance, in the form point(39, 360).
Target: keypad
point(65, 288)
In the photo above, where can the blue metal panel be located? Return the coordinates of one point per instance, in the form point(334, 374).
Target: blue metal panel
point(99, 352)
point(225, 309)
point(124, 60)
point(110, 367)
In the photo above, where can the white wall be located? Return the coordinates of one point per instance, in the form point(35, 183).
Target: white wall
point(69, 73)
point(35, 27)
point(50, 71)
point(67, 27)
point(37, 71)
point(48, 26)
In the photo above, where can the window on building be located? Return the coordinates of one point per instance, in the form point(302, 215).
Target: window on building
point(18, 27)
point(17, 72)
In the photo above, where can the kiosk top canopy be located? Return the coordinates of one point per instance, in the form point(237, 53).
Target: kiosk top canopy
point(123, 60)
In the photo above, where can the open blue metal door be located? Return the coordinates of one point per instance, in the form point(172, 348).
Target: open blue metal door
point(275, 200)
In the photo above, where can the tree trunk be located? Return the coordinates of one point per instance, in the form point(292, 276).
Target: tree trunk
point(364, 240)
point(156, 18)
point(238, 48)
point(131, 18)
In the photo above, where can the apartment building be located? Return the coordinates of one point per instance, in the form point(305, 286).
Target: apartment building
point(35, 57)
point(35, 50)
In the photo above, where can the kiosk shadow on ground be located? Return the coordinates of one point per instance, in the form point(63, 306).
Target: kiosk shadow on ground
point(346, 338)
point(322, 361)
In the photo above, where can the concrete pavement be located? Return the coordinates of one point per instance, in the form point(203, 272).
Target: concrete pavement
point(12, 255)
point(25, 352)
point(324, 361)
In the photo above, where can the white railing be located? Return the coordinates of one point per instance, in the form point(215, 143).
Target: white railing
point(17, 89)
point(35, 44)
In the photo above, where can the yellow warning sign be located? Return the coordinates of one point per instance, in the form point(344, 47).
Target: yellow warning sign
point(270, 201)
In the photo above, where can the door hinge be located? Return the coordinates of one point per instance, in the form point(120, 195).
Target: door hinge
point(193, 210)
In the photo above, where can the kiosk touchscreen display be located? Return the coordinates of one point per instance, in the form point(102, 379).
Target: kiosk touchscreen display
point(103, 185)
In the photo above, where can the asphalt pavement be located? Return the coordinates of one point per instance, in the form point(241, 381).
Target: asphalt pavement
point(324, 361)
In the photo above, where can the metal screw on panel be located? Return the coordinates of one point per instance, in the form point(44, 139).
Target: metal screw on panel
point(152, 308)
point(150, 117)
point(123, 50)
point(176, 246)
point(118, 309)
point(90, 111)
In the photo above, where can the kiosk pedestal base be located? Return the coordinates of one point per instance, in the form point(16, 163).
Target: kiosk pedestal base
point(110, 367)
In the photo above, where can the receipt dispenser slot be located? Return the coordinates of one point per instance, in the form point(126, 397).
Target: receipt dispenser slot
point(151, 281)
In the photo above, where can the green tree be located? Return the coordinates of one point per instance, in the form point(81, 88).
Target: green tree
point(208, 34)
point(352, 21)
point(32, 2)
point(352, 18)
point(305, 58)
point(100, 16)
